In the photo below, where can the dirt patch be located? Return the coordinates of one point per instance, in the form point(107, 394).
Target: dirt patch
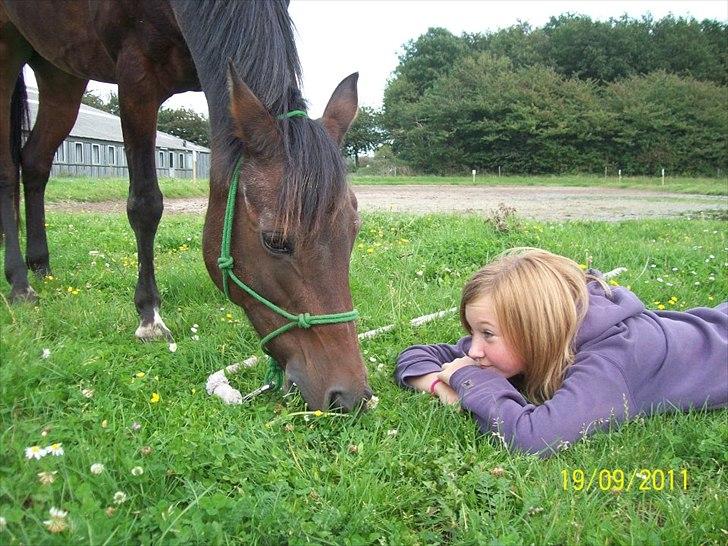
point(538, 203)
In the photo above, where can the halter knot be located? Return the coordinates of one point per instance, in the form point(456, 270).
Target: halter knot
point(304, 320)
point(225, 262)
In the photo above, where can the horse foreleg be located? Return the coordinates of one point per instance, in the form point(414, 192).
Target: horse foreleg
point(144, 205)
point(14, 51)
point(59, 99)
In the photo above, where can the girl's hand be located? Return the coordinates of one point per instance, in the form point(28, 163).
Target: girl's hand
point(450, 368)
point(443, 391)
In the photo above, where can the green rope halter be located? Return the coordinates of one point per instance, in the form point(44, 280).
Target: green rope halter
point(274, 374)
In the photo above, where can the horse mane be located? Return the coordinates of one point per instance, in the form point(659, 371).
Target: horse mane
point(258, 37)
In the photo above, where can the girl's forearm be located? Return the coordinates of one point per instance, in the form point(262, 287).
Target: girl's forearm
point(422, 382)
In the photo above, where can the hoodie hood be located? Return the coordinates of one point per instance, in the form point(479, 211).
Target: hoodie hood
point(605, 311)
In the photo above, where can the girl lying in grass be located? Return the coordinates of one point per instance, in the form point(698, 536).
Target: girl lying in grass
point(584, 354)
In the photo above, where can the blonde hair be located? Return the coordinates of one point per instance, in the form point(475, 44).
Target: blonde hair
point(539, 299)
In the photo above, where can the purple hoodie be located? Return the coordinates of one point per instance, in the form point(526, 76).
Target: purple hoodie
point(629, 361)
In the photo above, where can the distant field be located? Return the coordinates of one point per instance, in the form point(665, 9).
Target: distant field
point(705, 186)
point(112, 189)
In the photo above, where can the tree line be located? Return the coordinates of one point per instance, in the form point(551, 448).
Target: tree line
point(574, 96)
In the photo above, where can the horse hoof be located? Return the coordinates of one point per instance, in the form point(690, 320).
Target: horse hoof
point(23, 295)
point(154, 330)
point(40, 271)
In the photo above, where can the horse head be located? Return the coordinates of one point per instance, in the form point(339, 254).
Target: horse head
point(295, 221)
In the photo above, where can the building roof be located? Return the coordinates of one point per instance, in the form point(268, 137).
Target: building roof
point(99, 125)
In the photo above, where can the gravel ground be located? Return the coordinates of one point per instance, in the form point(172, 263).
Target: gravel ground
point(538, 203)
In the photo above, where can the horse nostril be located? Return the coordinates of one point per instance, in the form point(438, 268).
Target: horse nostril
point(347, 401)
point(335, 401)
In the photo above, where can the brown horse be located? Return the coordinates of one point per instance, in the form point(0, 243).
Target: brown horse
point(295, 218)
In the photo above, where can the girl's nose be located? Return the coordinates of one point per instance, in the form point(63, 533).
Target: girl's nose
point(476, 350)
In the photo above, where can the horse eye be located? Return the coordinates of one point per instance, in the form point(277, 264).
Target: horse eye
point(276, 243)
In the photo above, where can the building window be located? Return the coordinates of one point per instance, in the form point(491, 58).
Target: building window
point(112, 155)
point(61, 153)
point(95, 154)
point(161, 159)
point(181, 161)
point(171, 160)
point(79, 152)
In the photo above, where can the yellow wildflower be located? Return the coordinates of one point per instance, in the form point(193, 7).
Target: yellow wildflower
point(155, 398)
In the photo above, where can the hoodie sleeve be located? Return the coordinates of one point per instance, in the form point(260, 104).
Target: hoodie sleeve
point(423, 359)
point(593, 395)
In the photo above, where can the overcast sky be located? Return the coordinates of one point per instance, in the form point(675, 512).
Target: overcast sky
point(336, 38)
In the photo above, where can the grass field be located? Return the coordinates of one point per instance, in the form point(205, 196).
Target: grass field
point(83, 189)
point(182, 468)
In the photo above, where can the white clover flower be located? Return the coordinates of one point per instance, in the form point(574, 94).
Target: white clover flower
point(55, 449)
point(372, 403)
point(392, 432)
point(172, 347)
point(119, 497)
point(97, 468)
point(35, 452)
point(46, 353)
point(3, 524)
point(57, 523)
point(47, 478)
point(88, 393)
point(137, 471)
point(196, 338)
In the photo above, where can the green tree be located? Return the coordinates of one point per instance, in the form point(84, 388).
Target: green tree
point(365, 134)
point(485, 114)
point(424, 60)
point(111, 106)
point(689, 48)
point(664, 121)
point(186, 124)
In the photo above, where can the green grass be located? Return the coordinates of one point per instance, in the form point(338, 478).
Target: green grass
point(705, 186)
point(258, 474)
point(114, 189)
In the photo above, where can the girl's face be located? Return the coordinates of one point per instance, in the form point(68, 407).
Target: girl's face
point(489, 349)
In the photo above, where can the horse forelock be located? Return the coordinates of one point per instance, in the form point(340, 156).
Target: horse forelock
point(314, 188)
point(258, 37)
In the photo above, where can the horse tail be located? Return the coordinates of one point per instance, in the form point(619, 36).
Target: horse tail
point(19, 120)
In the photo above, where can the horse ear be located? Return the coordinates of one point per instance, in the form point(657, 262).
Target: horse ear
point(341, 109)
point(252, 123)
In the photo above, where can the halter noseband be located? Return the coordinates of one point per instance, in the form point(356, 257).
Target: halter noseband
point(225, 263)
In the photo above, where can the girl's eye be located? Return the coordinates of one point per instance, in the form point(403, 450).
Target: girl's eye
point(276, 243)
point(487, 334)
